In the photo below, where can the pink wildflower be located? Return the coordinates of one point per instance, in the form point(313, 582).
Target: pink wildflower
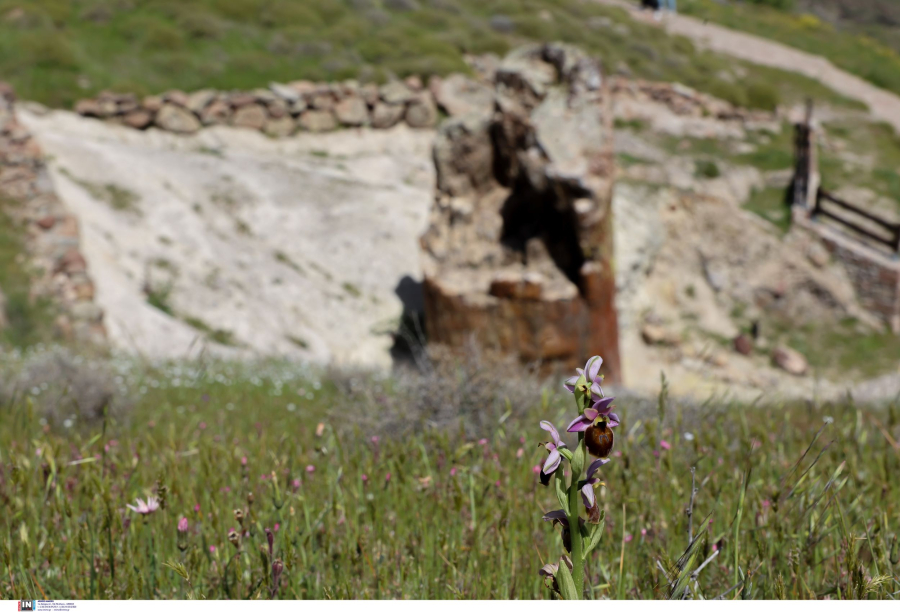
point(665, 445)
point(183, 524)
point(145, 507)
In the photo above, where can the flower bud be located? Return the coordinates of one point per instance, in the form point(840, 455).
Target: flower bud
point(239, 516)
point(234, 538)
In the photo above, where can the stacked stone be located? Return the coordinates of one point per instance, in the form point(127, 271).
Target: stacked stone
point(52, 238)
point(518, 253)
point(280, 110)
point(683, 100)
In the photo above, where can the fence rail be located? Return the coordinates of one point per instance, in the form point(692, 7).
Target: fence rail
point(892, 240)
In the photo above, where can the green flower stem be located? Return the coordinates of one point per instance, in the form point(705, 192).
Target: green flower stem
point(573, 512)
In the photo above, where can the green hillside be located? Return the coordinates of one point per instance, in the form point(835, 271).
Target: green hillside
point(57, 51)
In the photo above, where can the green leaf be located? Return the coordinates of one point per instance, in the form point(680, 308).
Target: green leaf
point(561, 492)
point(594, 538)
point(565, 452)
point(566, 583)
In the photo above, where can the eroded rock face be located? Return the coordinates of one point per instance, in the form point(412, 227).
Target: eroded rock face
point(52, 238)
point(518, 254)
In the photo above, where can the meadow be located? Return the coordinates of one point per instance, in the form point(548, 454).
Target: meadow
point(56, 52)
point(422, 485)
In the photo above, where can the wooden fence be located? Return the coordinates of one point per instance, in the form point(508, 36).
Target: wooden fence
point(890, 237)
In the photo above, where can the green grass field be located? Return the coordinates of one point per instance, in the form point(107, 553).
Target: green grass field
point(794, 501)
point(56, 52)
point(869, 51)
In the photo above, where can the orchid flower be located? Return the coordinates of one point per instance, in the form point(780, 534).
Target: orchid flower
point(554, 458)
point(587, 418)
point(550, 570)
point(591, 373)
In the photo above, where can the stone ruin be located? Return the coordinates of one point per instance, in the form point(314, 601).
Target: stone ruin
point(519, 251)
point(52, 236)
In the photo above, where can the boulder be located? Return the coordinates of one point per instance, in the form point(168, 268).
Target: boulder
point(217, 113)
point(285, 92)
point(138, 119)
point(176, 119)
point(386, 115)
point(352, 111)
point(152, 103)
point(323, 101)
point(459, 95)
point(176, 97)
point(317, 121)
point(277, 109)
point(395, 92)
point(280, 127)
point(369, 93)
point(252, 116)
point(88, 108)
point(199, 100)
point(421, 112)
point(789, 360)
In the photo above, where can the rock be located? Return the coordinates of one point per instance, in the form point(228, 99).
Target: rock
point(199, 100)
point(494, 274)
point(47, 222)
point(386, 115)
point(511, 285)
point(86, 311)
point(743, 344)
point(152, 103)
point(280, 127)
point(317, 121)
point(253, 116)
point(421, 112)
point(369, 93)
point(458, 95)
point(179, 98)
point(138, 119)
point(297, 107)
point(818, 255)
point(240, 99)
point(352, 111)
point(277, 109)
point(789, 360)
point(285, 92)
point(322, 101)
point(265, 96)
point(654, 334)
point(88, 108)
point(395, 92)
point(414, 83)
point(176, 119)
point(217, 113)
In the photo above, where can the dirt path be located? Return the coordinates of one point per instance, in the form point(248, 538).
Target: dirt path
point(884, 105)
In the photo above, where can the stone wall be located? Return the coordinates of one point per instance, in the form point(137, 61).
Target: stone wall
point(875, 275)
point(518, 254)
point(52, 235)
point(279, 110)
